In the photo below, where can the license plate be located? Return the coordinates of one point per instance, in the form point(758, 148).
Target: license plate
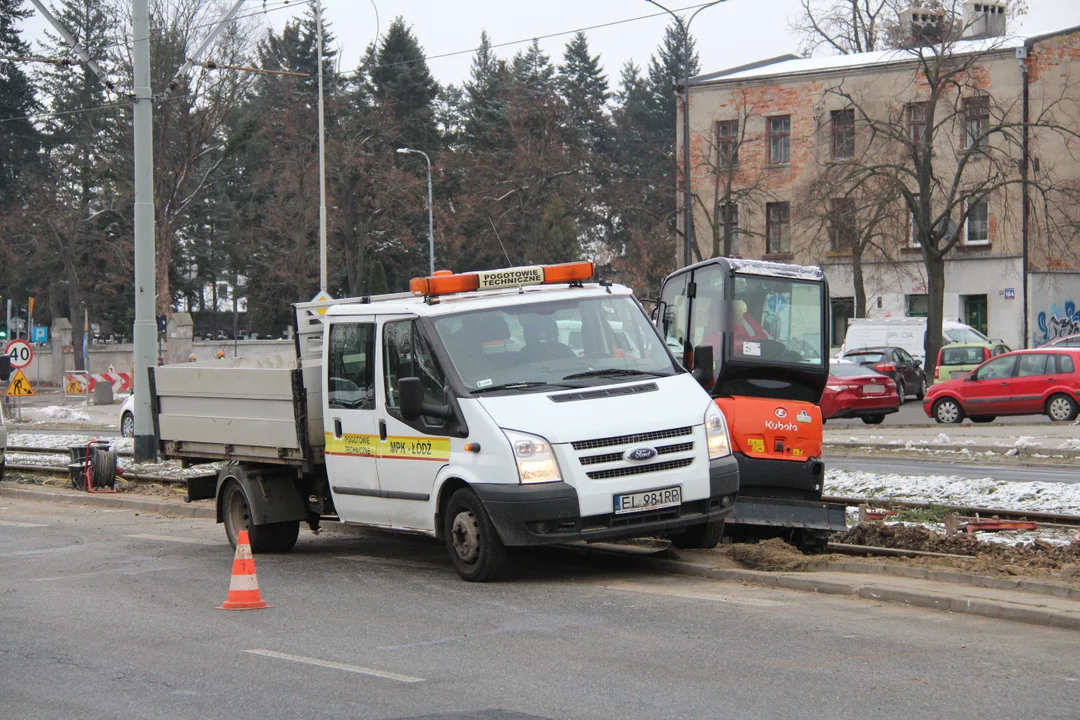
point(650, 500)
point(873, 389)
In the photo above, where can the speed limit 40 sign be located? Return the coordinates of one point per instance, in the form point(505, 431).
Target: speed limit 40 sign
point(20, 352)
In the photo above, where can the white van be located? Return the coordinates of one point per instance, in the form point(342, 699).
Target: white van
point(465, 411)
point(908, 333)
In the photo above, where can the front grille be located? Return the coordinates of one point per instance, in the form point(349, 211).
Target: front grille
point(616, 457)
point(628, 439)
point(639, 469)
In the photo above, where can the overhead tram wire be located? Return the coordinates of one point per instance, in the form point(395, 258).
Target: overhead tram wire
point(523, 41)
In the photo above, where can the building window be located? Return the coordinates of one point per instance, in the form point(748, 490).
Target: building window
point(727, 143)
point(779, 139)
point(917, 305)
point(978, 223)
point(729, 216)
point(843, 134)
point(976, 121)
point(913, 228)
point(916, 122)
point(777, 228)
point(842, 226)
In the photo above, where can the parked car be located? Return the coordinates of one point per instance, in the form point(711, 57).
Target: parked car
point(908, 333)
point(1064, 341)
point(905, 370)
point(127, 417)
point(1022, 382)
point(956, 361)
point(856, 391)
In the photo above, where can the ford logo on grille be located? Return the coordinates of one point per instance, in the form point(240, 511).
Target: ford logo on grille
point(641, 454)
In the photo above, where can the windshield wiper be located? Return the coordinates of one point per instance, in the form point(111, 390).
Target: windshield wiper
point(514, 386)
point(602, 372)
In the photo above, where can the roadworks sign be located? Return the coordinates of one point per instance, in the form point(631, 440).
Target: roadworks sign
point(19, 386)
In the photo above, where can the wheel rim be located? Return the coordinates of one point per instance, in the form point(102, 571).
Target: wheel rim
point(128, 430)
point(1060, 409)
point(465, 535)
point(239, 515)
point(948, 412)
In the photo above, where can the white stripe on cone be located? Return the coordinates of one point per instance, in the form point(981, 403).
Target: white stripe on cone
point(244, 582)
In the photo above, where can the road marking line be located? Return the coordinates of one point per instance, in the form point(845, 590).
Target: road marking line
point(400, 563)
point(336, 666)
point(689, 593)
point(13, 523)
point(174, 538)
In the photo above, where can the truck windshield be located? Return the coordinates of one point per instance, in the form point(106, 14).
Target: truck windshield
point(569, 343)
point(777, 319)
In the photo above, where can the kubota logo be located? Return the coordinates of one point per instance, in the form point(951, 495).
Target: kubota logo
point(781, 413)
point(773, 425)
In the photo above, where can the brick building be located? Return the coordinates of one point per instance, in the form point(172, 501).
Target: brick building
point(765, 138)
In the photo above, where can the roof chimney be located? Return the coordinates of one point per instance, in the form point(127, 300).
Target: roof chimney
point(983, 20)
point(922, 26)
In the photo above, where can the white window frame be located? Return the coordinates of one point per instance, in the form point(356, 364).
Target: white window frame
point(967, 226)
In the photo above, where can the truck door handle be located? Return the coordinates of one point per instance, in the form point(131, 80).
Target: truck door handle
point(337, 427)
point(382, 429)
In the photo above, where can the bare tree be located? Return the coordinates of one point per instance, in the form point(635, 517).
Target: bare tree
point(936, 137)
point(845, 27)
point(734, 185)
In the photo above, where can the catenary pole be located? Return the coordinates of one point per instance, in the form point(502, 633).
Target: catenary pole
point(322, 155)
point(145, 330)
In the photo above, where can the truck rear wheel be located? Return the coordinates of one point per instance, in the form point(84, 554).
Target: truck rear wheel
point(267, 538)
point(475, 548)
point(699, 537)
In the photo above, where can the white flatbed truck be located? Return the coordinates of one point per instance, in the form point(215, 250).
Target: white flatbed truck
point(456, 412)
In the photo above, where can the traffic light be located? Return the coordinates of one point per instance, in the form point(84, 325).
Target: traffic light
point(3, 333)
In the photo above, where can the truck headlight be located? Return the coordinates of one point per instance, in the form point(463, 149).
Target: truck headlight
point(535, 459)
point(716, 433)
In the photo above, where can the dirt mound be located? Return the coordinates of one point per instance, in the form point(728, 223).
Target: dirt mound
point(1038, 554)
point(773, 555)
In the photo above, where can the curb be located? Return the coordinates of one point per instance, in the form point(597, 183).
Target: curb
point(111, 501)
point(958, 578)
point(911, 445)
point(930, 600)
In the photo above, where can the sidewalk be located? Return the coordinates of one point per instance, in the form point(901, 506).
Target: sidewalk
point(1044, 439)
point(1020, 599)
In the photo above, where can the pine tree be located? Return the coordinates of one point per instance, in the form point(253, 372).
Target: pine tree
point(584, 89)
point(19, 140)
point(402, 80)
point(484, 107)
point(667, 70)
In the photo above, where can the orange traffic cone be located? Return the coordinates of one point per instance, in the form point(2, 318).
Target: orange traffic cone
point(244, 588)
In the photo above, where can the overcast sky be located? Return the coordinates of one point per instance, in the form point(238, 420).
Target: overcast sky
point(732, 33)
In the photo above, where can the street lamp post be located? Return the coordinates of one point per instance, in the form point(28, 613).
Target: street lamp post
point(688, 208)
point(430, 217)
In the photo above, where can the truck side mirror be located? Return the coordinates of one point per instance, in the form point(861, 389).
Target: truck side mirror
point(703, 364)
point(412, 405)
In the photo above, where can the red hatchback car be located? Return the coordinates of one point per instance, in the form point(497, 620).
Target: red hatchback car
point(855, 391)
point(1023, 382)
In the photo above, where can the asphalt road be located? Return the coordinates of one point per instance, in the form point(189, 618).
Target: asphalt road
point(918, 466)
point(112, 614)
point(912, 414)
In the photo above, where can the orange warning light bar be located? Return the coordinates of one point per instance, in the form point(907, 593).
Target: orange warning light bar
point(443, 283)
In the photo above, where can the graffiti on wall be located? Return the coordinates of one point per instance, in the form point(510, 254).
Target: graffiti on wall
point(1058, 323)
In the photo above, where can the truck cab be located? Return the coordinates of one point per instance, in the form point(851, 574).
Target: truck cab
point(766, 324)
point(459, 411)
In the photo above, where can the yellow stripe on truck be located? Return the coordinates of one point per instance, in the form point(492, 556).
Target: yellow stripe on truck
point(406, 447)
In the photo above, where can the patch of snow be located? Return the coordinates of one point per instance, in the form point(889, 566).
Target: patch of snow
point(896, 442)
point(1026, 441)
point(952, 490)
point(1070, 444)
point(62, 441)
point(942, 439)
point(58, 412)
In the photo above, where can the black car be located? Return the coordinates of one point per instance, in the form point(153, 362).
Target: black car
point(897, 363)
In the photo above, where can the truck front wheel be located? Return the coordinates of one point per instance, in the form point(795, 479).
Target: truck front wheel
point(267, 538)
point(699, 537)
point(475, 548)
